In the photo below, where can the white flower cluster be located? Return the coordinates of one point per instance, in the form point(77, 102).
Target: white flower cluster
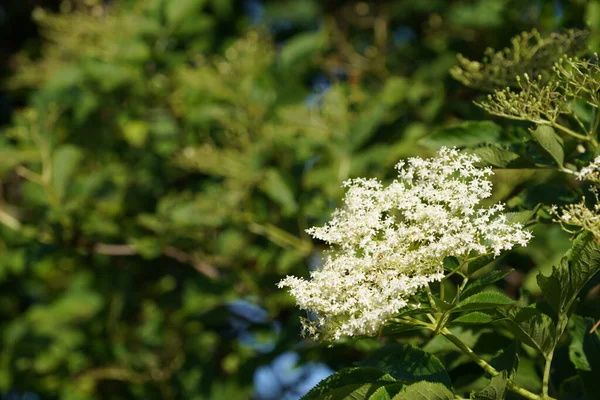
point(590, 172)
point(390, 241)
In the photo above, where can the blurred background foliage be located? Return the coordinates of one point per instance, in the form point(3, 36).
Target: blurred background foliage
point(160, 161)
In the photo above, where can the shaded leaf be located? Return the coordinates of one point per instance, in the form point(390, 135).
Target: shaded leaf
point(575, 270)
point(495, 390)
point(465, 134)
point(489, 278)
point(409, 364)
point(479, 263)
point(533, 327)
point(584, 352)
point(357, 377)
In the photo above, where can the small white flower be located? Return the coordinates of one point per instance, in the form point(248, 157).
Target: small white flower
point(590, 172)
point(388, 242)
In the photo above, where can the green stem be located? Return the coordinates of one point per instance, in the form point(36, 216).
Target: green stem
point(512, 386)
point(546, 377)
point(456, 270)
point(573, 133)
point(594, 129)
point(561, 325)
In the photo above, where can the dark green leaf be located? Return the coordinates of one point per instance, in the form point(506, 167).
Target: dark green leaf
point(465, 134)
point(507, 359)
point(584, 352)
point(479, 263)
point(533, 328)
point(498, 157)
point(495, 390)
point(479, 283)
point(575, 270)
point(351, 376)
point(408, 364)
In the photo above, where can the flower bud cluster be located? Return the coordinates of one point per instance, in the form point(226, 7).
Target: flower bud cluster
point(388, 242)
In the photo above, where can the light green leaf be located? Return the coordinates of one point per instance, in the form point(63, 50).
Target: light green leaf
point(279, 191)
point(425, 391)
point(65, 161)
point(482, 301)
point(380, 394)
point(387, 392)
point(521, 217)
point(300, 49)
point(408, 364)
point(176, 11)
point(549, 141)
point(474, 318)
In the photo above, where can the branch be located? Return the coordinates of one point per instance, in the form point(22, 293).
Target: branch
point(172, 252)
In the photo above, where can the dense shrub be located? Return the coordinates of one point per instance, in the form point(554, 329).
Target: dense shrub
point(159, 181)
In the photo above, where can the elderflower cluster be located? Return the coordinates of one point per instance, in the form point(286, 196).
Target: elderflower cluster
point(388, 242)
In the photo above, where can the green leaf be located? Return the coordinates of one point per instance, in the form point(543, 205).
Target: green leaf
point(479, 263)
point(507, 359)
point(575, 270)
point(279, 191)
point(465, 134)
point(533, 327)
point(65, 161)
point(487, 279)
point(299, 50)
point(408, 364)
point(387, 392)
point(349, 377)
point(571, 389)
point(495, 390)
point(584, 352)
point(549, 141)
point(521, 217)
point(425, 391)
point(474, 318)
point(497, 157)
point(360, 391)
point(483, 301)
point(176, 11)
point(380, 394)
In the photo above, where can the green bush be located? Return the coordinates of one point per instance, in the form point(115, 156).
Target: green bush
point(171, 155)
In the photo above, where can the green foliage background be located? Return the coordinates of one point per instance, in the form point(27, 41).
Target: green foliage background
point(169, 155)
